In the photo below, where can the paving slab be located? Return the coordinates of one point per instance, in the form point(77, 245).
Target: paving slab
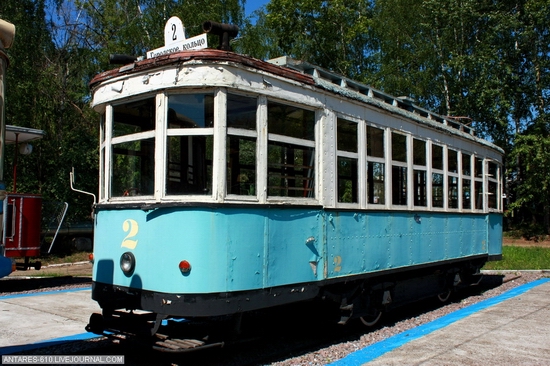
point(27, 319)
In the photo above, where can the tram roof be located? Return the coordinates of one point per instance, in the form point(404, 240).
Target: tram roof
point(307, 74)
point(22, 134)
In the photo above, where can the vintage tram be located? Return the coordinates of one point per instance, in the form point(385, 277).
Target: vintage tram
point(230, 184)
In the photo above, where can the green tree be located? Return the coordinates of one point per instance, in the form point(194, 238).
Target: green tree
point(332, 34)
point(134, 27)
point(46, 90)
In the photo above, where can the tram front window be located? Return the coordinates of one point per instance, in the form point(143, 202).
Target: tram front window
point(133, 149)
point(133, 168)
point(190, 144)
point(241, 145)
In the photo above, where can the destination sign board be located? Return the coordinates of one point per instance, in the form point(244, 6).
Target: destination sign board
point(175, 41)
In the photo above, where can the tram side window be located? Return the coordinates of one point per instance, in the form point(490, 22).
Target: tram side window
point(399, 169)
point(419, 161)
point(437, 176)
point(133, 163)
point(493, 191)
point(189, 154)
point(478, 183)
point(291, 151)
point(452, 166)
point(347, 161)
point(375, 166)
point(466, 181)
point(241, 145)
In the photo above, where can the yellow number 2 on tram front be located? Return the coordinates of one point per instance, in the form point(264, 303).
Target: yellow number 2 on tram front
point(131, 227)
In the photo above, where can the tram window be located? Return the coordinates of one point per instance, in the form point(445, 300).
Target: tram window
point(493, 170)
point(189, 165)
point(190, 110)
point(347, 180)
point(346, 135)
point(466, 164)
point(399, 185)
point(290, 170)
point(492, 187)
point(132, 168)
point(241, 165)
point(399, 147)
point(102, 155)
point(452, 161)
point(478, 191)
point(466, 194)
point(290, 162)
point(420, 188)
point(453, 192)
point(437, 190)
point(375, 142)
point(291, 121)
point(437, 157)
point(492, 199)
point(134, 117)
point(479, 167)
point(399, 172)
point(375, 183)
point(419, 173)
point(419, 152)
point(189, 157)
point(241, 112)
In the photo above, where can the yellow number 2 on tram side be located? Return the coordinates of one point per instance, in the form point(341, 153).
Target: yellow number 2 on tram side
point(131, 227)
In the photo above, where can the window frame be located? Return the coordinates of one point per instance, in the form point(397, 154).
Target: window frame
point(290, 140)
point(386, 183)
point(352, 156)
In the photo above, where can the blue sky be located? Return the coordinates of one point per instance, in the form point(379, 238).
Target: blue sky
point(252, 5)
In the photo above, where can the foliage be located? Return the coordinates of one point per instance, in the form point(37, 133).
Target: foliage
point(134, 27)
point(332, 34)
point(485, 61)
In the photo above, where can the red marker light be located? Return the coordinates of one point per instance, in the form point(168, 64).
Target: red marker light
point(91, 257)
point(185, 266)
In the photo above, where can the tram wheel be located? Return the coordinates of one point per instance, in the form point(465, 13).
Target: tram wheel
point(445, 295)
point(37, 265)
point(371, 320)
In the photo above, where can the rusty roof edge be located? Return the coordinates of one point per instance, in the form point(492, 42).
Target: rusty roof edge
point(201, 55)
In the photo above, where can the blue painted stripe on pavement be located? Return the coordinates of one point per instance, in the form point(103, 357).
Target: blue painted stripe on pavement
point(376, 350)
point(7, 297)
point(47, 343)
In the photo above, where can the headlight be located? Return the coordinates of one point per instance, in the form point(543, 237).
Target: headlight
point(127, 263)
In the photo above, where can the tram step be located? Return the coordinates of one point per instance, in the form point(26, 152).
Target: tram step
point(174, 345)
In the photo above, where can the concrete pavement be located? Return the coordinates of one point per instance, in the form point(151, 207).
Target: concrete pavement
point(510, 329)
point(35, 320)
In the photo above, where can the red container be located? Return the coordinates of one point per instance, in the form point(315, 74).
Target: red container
point(22, 224)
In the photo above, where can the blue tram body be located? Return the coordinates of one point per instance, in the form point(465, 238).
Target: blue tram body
point(237, 249)
point(246, 249)
point(230, 184)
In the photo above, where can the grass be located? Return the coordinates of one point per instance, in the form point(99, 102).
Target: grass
point(514, 257)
